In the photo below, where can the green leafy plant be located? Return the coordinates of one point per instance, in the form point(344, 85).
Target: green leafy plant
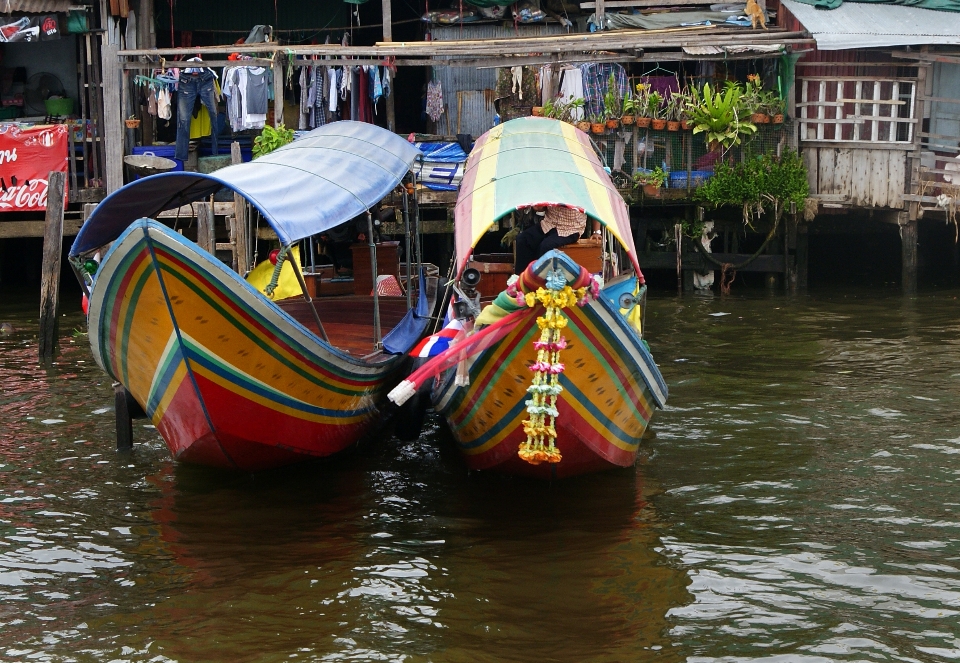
point(549, 108)
point(629, 106)
point(758, 184)
point(656, 178)
point(718, 116)
point(612, 103)
point(654, 105)
point(271, 139)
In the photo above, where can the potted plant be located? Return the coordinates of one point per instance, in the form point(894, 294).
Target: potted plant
point(655, 110)
point(612, 104)
point(597, 125)
point(629, 111)
point(132, 122)
point(752, 100)
point(718, 116)
point(671, 113)
point(651, 181)
point(776, 107)
point(684, 100)
point(640, 105)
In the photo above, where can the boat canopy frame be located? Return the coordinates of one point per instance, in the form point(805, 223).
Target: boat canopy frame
point(534, 161)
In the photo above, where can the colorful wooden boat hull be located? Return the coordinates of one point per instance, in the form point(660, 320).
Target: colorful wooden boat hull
point(228, 379)
point(611, 386)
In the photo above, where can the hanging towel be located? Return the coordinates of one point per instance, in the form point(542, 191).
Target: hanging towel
point(517, 87)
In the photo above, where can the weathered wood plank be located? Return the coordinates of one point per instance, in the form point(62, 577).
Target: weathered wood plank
point(879, 175)
point(810, 163)
point(897, 181)
point(11, 229)
point(843, 172)
point(50, 272)
point(859, 188)
point(240, 226)
point(827, 163)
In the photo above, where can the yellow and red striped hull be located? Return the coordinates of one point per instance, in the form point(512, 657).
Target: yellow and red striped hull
point(227, 378)
point(607, 399)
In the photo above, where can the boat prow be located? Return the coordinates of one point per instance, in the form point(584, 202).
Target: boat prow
point(610, 386)
point(227, 377)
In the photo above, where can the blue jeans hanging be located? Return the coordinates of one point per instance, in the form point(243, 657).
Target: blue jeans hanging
point(188, 89)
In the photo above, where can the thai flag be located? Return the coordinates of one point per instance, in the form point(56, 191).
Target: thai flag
point(434, 344)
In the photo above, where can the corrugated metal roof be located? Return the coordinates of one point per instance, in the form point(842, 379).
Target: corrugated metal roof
point(36, 6)
point(865, 25)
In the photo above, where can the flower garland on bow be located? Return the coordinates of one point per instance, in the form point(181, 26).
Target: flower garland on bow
point(540, 427)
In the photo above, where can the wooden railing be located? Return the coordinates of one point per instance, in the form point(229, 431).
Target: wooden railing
point(855, 109)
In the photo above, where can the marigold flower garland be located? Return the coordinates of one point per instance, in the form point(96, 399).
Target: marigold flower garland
point(542, 406)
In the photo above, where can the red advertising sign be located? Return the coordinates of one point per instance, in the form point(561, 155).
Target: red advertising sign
point(27, 155)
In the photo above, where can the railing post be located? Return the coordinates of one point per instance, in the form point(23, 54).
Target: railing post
point(50, 276)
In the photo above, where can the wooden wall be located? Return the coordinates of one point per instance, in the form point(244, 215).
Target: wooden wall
point(860, 177)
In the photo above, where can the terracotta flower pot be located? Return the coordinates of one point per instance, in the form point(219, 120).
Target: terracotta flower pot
point(760, 118)
point(658, 124)
point(673, 126)
point(583, 126)
point(685, 125)
point(132, 124)
point(643, 122)
point(778, 118)
point(537, 111)
point(597, 127)
point(627, 120)
point(651, 191)
point(613, 123)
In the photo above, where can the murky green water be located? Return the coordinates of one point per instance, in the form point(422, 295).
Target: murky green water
point(798, 503)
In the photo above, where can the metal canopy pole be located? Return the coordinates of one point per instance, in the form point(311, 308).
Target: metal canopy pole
point(306, 295)
point(377, 339)
point(406, 228)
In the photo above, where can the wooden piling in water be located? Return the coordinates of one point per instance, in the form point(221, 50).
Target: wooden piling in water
point(908, 253)
point(50, 272)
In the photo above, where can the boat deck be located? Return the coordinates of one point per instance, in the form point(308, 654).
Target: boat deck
point(347, 320)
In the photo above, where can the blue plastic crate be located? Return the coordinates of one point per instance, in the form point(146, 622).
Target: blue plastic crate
point(678, 179)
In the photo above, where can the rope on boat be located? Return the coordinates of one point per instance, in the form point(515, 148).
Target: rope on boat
point(275, 278)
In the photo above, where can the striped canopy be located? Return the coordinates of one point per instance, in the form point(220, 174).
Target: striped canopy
point(536, 161)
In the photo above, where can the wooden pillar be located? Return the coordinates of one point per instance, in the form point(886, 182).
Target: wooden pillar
point(50, 275)
point(124, 418)
point(277, 89)
point(146, 38)
point(241, 230)
point(803, 255)
point(206, 239)
point(908, 254)
point(113, 131)
point(388, 36)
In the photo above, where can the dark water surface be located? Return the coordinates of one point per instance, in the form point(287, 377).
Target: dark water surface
point(797, 501)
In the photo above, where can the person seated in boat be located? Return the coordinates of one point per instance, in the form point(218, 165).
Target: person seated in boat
point(559, 226)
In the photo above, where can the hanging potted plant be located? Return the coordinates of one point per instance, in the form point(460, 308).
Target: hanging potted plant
point(684, 101)
point(629, 112)
point(651, 181)
point(655, 110)
point(597, 125)
point(612, 104)
point(776, 107)
point(671, 113)
point(569, 111)
point(752, 100)
point(718, 116)
point(640, 106)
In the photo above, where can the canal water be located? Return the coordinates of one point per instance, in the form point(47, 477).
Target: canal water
point(797, 501)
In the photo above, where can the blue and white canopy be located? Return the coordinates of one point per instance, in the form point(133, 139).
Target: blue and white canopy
point(327, 177)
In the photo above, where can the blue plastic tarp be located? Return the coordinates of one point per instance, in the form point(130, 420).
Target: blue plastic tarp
point(442, 165)
point(327, 177)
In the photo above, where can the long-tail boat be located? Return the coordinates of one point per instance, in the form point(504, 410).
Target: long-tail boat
point(229, 377)
point(553, 378)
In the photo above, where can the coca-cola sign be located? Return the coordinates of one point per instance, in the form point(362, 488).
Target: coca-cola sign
point(27, 156)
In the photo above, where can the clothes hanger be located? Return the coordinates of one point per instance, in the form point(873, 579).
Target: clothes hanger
point(659, 68)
